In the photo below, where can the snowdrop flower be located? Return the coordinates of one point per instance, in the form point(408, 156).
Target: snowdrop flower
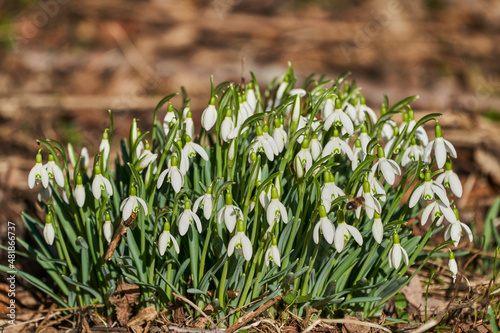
point(298, 91)
point(244, 111)
point(273, 254)
point(300, 125)
point(337, 146)
point(229, 213)
point(396, 253)
point(107, 228)
point(100, 183)
point(412, 153)
point(315, 147)
point(79, 192)
point(279, 135)
point(241, 242)
point(371, 205)
point(131, 204)
point(206, 202)
point(38, 174)
point(263, 144)
point(454, 230)
point(54, 171)
point(390, 149)
point(250, 97)
point(388, 167)
point(146, 158)
point(452, 266)
point(428, 190)
point(276, 210)
point(364, 138)
point(377, 228)
point(173, 174)
point(227, 126)
point(437, 209)
point(191, 149)
point(344, 231)
point(296, 116)
point(376, 187)
point(358, 155)
point(166, 240)
point(339, 118)
point(104, 147)
point(270, 139)
point(303, 160)
point(325, 225)
point(330, 191)
point(209, 116)
point(186, 219)
point(327, 109)
point(440, 147)
point(184, 160)
point(387, 128)
point(359, 112)
point(48, 230)
point(281, 90)
point(169, 117)
point(450, 179)
point(189, 124)
point(420, 132)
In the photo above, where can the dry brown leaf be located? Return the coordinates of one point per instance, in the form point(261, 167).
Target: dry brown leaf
point(144, 316)
point(355, 328)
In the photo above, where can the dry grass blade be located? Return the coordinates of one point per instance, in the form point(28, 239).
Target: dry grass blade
point(345, 321)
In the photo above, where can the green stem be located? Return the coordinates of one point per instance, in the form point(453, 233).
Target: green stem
point(296, 222)
point(205, 247)
point(222, 284)
point(308, 273)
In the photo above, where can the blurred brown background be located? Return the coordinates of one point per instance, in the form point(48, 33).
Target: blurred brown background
point(64, 63)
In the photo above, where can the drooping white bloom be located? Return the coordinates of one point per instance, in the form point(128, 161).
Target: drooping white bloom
point(250, 97)
point(339, 118)
point(390, 147)
point(169, 117)
point(173, 175)
point(388, 167)
point(241, 242)
point(276, 210)
point(104, 147)
point(343, 232)
point(428, 190)
point(358, 155)
point(227, 126)
point(279, 135)
point(270, 139)
point(454, 230)
point(54, 171)
point(452, 266)
point(107, 228)
point(396, 253)
point(330, 191)
point(281, 90)
point(358, 113)
point(420, 132)
point(450, 179)
point(79, 192)
point(437, 209)
point(377, 228)
point(412, 153)
point(186, 218)
point(209, 116)
point(191, 149)
point(48, 233)
point(327, 108)
point(189, 124)
point(364, 138)
point(273, 254)
point(376, 187)
point(441, 147)
point(262, 144)
point(206, 202)
point(38, 174)
point(166, 240)
point(100, 183)
point(131, 204)
point(303, 161)
point(229, 213)
point(371, 205)
point(337, 146)
point(325, 226)
point(146, 157)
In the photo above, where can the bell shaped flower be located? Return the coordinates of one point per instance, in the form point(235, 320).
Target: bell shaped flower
point(38, 174)
point(358, 113)
point(450, 179)
point(325, 226)
point(376, 187)
point(229, 213)
point(173, 175)
point(441, 148)
point(183, 164)
point(187, 218)
point(396, 253)
point(241, 243)
point(79, 192)
point(262, 144)
point(377, 228)
point(339, 118)
point(206, 202)
point(104, 147)
point(330, 191)
point(279, 135)
point(315, 147)
point(146, 158)
point(420, 132)
point(372, 204)
point(209, 116)
point(276, 210)
point(227, 126)
point(412, 154)
point(273, 254)
point(455, 230)
point(428, 190)
point(281, 90)
point(364, 138)
point(328, 106)
point(166, 240)
point(250, 96)
point(303, 161)
point(107, 228)
point(390, 147)
point(388, 167)
point(387, 128)
point(169, 117)
point(48, 230)
point(344, 231)
point(452, 266)
point(436, 209)
point(189, 124)
point(131, 204)
point(54, 171)
point(337, 146)
point(84, 157)
point(191, 149)
point(358, 155)
point(100, 183)
point(270, 139)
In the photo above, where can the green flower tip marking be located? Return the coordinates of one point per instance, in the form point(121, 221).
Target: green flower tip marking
point(229, 199)
point(39, 158)
point(322, 211)
point(48, 218)
point(241, 226)
point(340, 216)
point(395, 238)
point(438, 130)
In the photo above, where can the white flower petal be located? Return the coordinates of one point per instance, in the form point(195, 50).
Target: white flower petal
point(416, 195)
point(316, 233)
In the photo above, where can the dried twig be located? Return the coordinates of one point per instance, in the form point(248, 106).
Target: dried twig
point(252, 315)
point(184, 299)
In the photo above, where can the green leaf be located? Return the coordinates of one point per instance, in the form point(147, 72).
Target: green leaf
point(402, 103)
point(401, 302)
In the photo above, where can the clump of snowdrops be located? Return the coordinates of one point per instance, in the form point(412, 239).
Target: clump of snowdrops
point(298, 192)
